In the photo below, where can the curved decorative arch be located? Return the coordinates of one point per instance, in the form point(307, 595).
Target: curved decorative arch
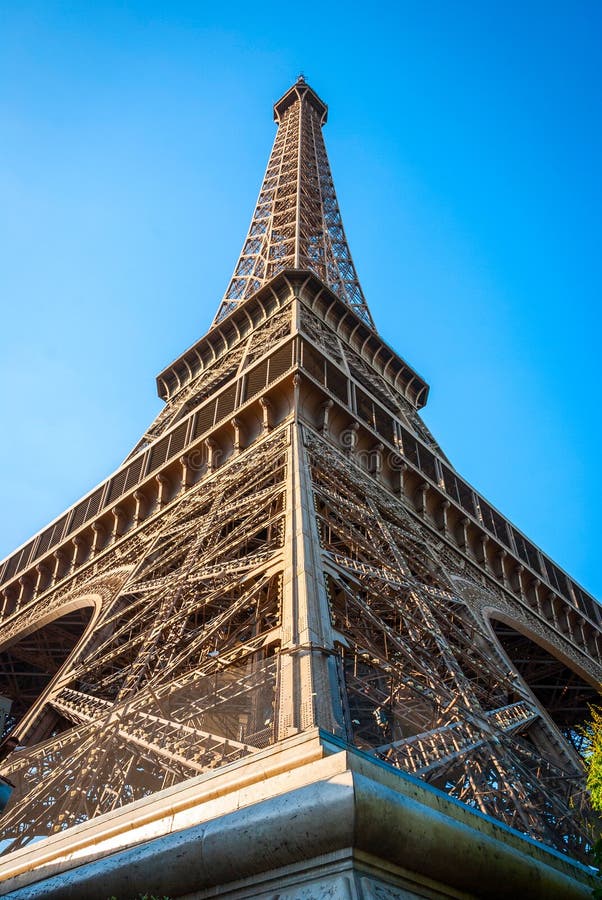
point(88, 600)
point(37, 658)
point(494, 613)
point(562, 689)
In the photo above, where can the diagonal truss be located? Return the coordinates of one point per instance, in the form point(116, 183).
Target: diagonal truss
point(179, 674)
point(297, 222)
point(426, 689)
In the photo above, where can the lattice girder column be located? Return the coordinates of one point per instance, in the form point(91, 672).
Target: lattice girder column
point(310, 692)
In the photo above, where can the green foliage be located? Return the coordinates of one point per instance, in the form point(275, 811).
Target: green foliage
point(593, 759)
point(593, 732)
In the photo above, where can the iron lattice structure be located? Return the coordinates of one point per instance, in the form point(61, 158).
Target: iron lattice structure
point(286, 548)
point(297, 223)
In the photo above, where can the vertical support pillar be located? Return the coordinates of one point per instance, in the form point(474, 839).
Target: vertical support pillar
point(162, 489)
point(421, 498)
point(24, 590)
point(212, 455)
point(402, 468)
point(481, 544)
point(309, 689)
point(119, 520)
point(237, 427)
point(376, 461)
point(42, 577)
point(79, 551)
point(445, 508)
point(349, 438)
point(501, 557)
point(325, 423)
point(8, 603)
point(463, 537)
point(99, 534)
point(186, 473)
point(140, 498)
point(266, 410)
point(59, 565)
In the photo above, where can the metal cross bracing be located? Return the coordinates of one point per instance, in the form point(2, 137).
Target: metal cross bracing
point(297, 222)
point(178, 674)
point(426, 687)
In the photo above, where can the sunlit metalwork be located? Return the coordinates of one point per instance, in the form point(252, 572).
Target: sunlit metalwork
point(287, 547)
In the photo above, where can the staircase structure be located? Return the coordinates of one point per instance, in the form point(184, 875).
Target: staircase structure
point(287, 622)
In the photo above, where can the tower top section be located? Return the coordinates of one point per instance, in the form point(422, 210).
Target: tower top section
point(297, 222)
point(300, 92)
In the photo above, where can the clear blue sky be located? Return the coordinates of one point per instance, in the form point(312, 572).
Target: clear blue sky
point(465, 143)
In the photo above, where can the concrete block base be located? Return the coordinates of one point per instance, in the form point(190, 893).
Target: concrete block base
point(304, 820)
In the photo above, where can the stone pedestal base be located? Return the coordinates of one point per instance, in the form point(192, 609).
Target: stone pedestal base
point(305, 820)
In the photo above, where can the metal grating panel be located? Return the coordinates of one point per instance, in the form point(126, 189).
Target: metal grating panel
point(117, 486)
point(256, 379)
point(365, 407)
point(159, 453)
point(313, 362)
point(204, 418)
point(177, 439)
point(337, 383)
point(281, 361)
point(226, 402)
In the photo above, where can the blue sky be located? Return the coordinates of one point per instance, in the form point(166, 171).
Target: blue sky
point(465, 144)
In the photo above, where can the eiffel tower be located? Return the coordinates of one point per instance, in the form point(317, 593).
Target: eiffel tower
point(284, 590)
